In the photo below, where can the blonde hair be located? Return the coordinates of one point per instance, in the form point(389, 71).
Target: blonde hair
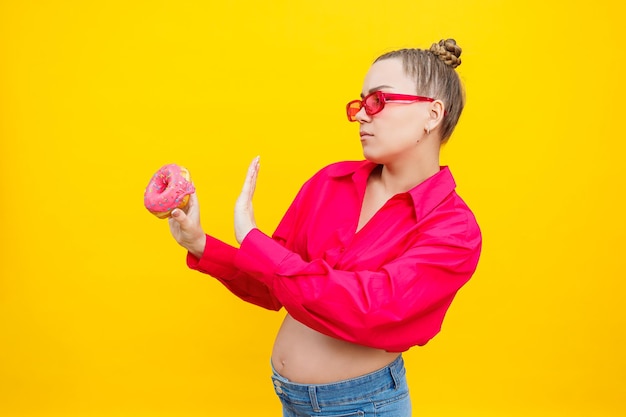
point(434, 74)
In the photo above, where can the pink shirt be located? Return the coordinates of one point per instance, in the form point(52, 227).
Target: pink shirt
point(387, 286)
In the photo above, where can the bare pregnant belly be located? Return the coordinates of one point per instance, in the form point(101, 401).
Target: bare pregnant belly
point(305, 356)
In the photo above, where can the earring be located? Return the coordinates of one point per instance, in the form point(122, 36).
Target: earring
point(427, 129)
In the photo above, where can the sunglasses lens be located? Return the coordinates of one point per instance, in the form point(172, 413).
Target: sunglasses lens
point(373, 104)
point(352, 109)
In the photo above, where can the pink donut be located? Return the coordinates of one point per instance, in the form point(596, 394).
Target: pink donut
point(169, 188)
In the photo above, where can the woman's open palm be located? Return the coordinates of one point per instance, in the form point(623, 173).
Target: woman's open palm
point(244, 213)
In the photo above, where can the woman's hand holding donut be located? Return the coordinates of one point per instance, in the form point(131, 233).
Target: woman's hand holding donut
point(185, 224)
point(185, 227)
point(244, 214)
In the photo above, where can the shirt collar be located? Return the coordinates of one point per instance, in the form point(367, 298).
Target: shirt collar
point(425, 196)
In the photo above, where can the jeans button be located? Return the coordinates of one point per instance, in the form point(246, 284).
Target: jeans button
point(279, 390)
point(277, 383)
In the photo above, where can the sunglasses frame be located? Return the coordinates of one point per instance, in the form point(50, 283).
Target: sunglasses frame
point(383, 99)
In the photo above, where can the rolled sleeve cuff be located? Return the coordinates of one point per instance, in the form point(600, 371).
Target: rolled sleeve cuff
point(217, 259)
point(260, 256)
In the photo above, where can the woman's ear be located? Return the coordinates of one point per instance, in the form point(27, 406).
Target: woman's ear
point(436, 114)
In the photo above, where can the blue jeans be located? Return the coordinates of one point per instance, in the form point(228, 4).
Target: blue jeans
point(383, 393)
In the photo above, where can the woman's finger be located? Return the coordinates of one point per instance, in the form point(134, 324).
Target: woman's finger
point(244, 213)
point(249, 184)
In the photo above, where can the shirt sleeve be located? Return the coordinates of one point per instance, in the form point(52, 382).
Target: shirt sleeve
point(218, 261)
point(402, 304)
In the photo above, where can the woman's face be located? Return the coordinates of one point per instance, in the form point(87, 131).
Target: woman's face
point(393, 133)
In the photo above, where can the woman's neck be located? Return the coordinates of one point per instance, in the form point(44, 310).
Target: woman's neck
point(402, 175)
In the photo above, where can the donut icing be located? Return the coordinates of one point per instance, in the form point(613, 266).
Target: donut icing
point(168, 189)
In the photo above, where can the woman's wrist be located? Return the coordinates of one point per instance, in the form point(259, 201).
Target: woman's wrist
point(197, 248)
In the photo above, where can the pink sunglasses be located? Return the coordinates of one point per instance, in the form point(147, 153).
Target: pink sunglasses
point(375, 103)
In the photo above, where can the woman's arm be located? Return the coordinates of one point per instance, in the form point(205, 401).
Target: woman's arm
point(216, 258)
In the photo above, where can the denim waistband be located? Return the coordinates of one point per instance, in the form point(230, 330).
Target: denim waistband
point(391, 376)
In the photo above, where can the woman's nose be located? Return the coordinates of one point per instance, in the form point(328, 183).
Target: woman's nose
point(362, 117)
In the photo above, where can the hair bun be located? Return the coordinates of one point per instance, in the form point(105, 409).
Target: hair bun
point(448, 51)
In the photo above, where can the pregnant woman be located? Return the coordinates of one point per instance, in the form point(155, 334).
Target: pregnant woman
point(369, 255)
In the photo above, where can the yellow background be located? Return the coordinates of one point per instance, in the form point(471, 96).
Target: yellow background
point(99, 315)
